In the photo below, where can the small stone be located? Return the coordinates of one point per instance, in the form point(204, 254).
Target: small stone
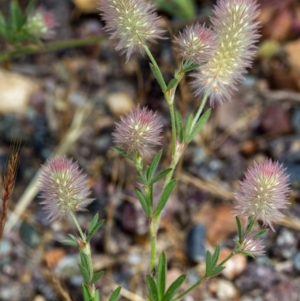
point(286, 244)
point(86, 6)
point(248, 147)
point(172, 275)
point(226, 291)
point(29, 235)
point(296, 262)
point(276, 120)
point(119, 103)
point(255, 277)
point(54, 256)
point(234, 266)
point(67, 267)
point(39, 298)
point(15, 92)
point(296, 120)
point(195, 243)
point(282, 291)
point(132, 219)
point(221, 224)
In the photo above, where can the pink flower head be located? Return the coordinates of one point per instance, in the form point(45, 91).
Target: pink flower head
point(133, 22)
point(263, 192)
point(196, 43)
point(237, 33)
point(41, 24)
point(63, 187)
point(253, 245)
point(138, 132)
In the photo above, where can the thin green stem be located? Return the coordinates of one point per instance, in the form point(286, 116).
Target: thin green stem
point(50, 47)
point(153, 239)
point(153, 61)
point(196, 118)
point(174, 134)
point(227, 258)
point(203, 279)
point(77, 225)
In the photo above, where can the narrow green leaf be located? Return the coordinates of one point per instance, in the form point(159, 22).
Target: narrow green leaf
point(114, 296)
point(157, 73)
point(179, 125)
point(164, 197)
point(216, 256)
point(86, 293)
point(198, 125)
point(93, 223)
point(2, 26)
point(85, 273)
point(30, 7)
point(239, 227)
point(143, 180)
point(161, 275)
point(73, 237)
point(191, 67)
point(161, 175)
point(84, 260)
point(188, 126)
point(15, 16)
point(122, 152)
point(209, 265)
point(173, 288)
point(246, 253)
point(94, 230)
point(217, 270)
point(172, 83)
point(97, 296)
point(250, 224)
point(152, 288)
point(97, 276)
point(154, 165)
point(143, 200)
point(260, 233)
point(69, 242)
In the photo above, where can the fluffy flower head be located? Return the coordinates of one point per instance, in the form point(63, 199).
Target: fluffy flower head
point(253, 245)
point(237, 32)
point(263, 192)
point(133, 22)
point(63, 187)
point(138, 132)
point(196, 43)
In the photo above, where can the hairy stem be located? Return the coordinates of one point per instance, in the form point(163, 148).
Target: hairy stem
point(196, 118)
point(77, 226)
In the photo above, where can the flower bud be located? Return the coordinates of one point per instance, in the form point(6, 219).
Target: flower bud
point(63, 188)
point(133, 22)
point(253, 245)
point(196, 44)
point(138, 132)
point(237, 32)
point(263, 192)
point(41, 24)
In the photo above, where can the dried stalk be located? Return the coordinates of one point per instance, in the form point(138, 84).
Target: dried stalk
point(9, 183)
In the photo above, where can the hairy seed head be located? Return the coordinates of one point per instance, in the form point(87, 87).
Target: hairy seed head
point(196, 43)
point(132, 22)
point(237, 33)
point(263, 192)
point(63, 187)
point(138, 132)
